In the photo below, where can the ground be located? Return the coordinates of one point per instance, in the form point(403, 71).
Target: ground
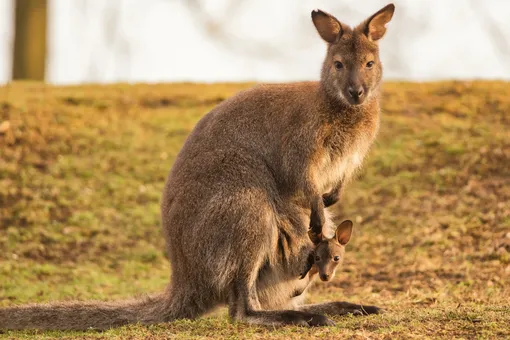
point(82, 171)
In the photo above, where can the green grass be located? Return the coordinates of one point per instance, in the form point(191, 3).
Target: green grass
point(82, 171)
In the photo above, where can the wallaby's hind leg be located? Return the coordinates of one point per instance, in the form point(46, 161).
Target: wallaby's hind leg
point(187, 302)
point(340, 308)
point(233, 301)
point(241, 308)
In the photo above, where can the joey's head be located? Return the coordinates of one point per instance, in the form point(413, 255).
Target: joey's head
point(352, 70)
point(329, 252)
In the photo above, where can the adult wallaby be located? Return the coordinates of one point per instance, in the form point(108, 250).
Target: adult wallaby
point(237, 203)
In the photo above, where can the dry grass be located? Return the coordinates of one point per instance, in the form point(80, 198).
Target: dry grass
point(82, 170)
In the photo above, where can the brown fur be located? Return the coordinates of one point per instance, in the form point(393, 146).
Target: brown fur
point(238, 200)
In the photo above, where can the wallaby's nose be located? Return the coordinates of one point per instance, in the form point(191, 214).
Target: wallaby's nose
point(356, 93)
point(324, 277)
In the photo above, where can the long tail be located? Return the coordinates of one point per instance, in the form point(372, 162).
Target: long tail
point(86, 315)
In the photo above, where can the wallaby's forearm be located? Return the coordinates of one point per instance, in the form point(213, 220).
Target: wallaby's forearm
point(317, 216)
point(299, 172)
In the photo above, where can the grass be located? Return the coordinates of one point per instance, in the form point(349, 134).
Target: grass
point(82, 171)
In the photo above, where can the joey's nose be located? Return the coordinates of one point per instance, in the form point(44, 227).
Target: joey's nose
point(356, 92)
point(324, 277)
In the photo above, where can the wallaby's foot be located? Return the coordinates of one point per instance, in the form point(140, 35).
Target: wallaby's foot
point(241, 308)
point(341, 308)
point(287, 317)
point(317, 320)
point(367, 310)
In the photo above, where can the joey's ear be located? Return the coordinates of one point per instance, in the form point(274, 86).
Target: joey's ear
point(315, 238)
point(343, 232)
point(375, 26)
point(329, 28)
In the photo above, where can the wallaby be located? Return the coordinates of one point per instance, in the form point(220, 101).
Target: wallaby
point(328, 252)
point(250, 179)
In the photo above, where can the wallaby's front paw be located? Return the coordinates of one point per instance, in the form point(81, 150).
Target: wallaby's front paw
point(316, 225)
point(330, 198)
point(329, 201)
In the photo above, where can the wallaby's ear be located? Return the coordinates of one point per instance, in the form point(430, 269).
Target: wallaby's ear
point(315, 238)
point(343, 232)
point(375, 26)
point(329, 28)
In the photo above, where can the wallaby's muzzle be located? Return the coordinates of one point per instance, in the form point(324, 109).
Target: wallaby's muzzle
point(356, 93)
point(325, 277)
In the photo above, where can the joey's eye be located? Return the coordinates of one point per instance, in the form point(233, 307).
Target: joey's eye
point(339, 65)
point(336, 258)
point(317, 258)
point(370, 64)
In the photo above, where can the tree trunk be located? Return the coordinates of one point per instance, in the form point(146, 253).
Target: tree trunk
point(29, 59)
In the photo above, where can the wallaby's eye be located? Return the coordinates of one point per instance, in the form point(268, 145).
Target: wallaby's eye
point(317, 258)
point(339, 65)
point(370, 64)
point(336, 258)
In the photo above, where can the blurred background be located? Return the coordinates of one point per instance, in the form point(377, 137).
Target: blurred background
point(100, 41)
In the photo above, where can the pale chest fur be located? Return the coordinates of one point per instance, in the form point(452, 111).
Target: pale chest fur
point(331, 167)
